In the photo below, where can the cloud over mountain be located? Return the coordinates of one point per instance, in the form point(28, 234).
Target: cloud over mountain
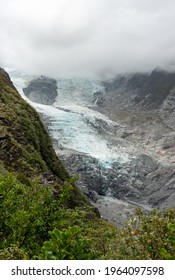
point(87, 37)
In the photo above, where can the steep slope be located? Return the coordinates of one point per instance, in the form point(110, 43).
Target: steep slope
point(36, 192)
point(145, 89)
point(25, 145)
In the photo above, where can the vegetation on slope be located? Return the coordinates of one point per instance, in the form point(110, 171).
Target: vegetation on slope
point(33, 225)
point(25, 144)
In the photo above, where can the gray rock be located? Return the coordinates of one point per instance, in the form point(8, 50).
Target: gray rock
point(42, 90)
point(98, 98)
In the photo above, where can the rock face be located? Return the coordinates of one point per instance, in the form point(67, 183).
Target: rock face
point(141, 180)
point(148, 90)
point(42, 90)
point(98, 98)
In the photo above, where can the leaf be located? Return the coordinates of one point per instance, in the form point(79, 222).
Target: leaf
point(171, 227)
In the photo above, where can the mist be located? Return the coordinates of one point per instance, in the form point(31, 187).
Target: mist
point(87, 38)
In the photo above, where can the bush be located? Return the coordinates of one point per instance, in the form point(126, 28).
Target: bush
point(29, 217)
point(26, 215)
point(66, 245)
point(149, 236)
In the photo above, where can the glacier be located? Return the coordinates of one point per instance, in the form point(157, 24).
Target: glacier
point(72, 123)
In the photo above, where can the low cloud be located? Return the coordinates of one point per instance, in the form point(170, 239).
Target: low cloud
point(87, 38)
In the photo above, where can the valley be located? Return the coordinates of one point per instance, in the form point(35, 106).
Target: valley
point(117, 136)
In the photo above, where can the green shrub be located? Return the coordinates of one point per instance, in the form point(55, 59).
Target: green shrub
point(66, 245)
point(170, 239)
point(25, 214)
point(29, 217)
point(148, 236)
point(28, 213)
point(13, 253)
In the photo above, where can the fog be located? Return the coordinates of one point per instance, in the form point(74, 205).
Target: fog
point(87, 38)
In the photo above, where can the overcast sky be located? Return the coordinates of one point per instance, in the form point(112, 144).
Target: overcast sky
point(93, 38)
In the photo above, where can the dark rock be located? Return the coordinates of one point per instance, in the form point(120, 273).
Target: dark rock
point(148, 90)
point(98, 98)
point(42, 90)
point(122, 180)
point(144, 164)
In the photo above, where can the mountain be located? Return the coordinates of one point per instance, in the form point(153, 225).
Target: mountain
point(144, 104)
point(44, 215)
point(32, 173)
point(122, 161)
point(145, 89)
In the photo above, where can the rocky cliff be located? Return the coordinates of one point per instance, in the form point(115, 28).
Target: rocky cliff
point(145, 89)
point(42, 90)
